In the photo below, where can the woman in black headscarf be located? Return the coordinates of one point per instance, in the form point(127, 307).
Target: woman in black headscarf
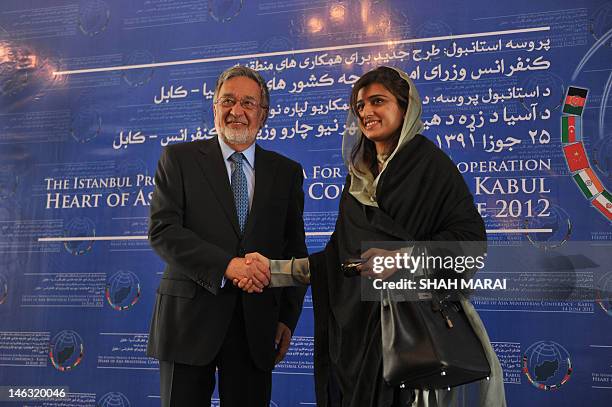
point(400, 186)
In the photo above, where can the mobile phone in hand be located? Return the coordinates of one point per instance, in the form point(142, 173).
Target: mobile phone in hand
point(349, 267)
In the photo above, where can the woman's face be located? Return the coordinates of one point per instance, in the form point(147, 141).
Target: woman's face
point(380, 116)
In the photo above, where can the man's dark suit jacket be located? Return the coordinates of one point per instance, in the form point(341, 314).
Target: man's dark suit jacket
point(194, 229)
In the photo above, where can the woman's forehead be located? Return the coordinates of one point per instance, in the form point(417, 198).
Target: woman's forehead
point(373, 89)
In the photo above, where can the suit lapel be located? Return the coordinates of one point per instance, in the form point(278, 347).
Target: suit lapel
point(265, 171)
point(215, 173)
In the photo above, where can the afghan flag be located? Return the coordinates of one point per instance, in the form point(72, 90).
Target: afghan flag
point(576, 157)
point(589, 183)
point(575, 100)
point(603, 202)
point(571, 129)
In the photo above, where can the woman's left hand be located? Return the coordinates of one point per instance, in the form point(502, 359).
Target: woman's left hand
point(374, 266)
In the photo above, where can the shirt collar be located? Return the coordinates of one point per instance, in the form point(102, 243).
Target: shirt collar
point(227, 151)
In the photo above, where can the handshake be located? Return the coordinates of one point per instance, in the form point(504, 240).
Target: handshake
point(250, 273)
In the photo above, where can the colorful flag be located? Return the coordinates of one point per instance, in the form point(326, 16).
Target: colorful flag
point(575, 100)
point(588, 182)
point(576, 157)
point(603, 202)
point(571, 129)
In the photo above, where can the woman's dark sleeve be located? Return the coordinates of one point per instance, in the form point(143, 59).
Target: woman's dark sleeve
point(459, 219)
point(319, 263)
point(460, 230)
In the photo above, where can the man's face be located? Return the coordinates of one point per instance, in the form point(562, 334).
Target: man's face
point(236, 125)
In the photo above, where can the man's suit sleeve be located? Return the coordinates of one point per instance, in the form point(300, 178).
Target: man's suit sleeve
point(293, 297)
point(182, 249)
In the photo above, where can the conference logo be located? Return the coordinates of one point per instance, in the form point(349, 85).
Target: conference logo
point(9, 181)
point(113, 399)
point(223, 11)
point(558, 222)
point(599, 23)
point(277, 43)
point(547, 365)
point(3, 288)
point(66, 350)
point(122, 290)
point(141, 76)
point(134, 169)
point(94, 16)
point(85, 116)
point(85, 124)
point(603, 291)
point(79, 228)
point(435, 28)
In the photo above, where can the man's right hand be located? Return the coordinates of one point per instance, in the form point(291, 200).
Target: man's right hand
point(248, 284)
point(257, 272)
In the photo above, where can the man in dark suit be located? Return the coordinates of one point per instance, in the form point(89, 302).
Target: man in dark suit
point(214, 202)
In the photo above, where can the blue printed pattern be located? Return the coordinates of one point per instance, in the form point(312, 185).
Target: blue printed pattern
point(240, 190)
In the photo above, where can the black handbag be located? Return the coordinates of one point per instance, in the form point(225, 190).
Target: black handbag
point(429, 344)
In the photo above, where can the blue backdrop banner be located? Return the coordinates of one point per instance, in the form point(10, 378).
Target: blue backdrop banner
point(516, 93)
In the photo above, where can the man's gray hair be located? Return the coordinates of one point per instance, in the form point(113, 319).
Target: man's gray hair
point(237, 71)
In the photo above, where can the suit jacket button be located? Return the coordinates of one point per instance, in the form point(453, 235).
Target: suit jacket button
point(241, 252)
